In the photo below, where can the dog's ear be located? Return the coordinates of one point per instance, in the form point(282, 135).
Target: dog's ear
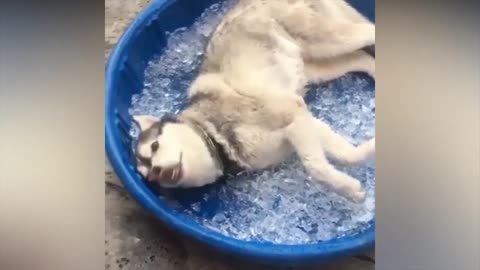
point(145, 121)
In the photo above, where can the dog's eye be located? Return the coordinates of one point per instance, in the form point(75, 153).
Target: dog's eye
point(154, 146)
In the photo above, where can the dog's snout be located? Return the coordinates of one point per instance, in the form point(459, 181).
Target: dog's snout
point(156, 170)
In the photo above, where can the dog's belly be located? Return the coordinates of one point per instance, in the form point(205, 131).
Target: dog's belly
point(265, 149)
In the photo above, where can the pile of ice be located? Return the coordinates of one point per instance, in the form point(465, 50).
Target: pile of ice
point(281, 205)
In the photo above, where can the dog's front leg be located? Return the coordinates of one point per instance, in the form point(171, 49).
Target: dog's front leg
point(302, 136)
point(338, 148)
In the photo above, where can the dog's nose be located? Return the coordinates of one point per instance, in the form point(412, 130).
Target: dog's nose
point(156, 170)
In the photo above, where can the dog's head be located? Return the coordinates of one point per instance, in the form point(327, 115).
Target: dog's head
point(173, 154)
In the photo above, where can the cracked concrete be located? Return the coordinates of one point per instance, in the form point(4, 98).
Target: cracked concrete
point(136, 240)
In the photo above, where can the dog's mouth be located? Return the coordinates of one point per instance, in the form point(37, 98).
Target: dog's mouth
point(167, 175)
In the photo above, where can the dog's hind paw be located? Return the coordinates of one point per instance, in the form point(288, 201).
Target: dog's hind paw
point(359, 196)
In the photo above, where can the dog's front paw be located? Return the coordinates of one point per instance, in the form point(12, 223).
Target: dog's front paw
point(356, 192)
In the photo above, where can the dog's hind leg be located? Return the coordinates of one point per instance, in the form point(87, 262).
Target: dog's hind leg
point(303, 137)
point(318, 71)
point(343, 38)
point(325, 36)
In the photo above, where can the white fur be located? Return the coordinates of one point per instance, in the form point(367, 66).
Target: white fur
point(255, 70)
point(179, 138)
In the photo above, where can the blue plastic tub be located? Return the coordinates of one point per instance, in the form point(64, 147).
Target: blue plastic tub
point(124, 77)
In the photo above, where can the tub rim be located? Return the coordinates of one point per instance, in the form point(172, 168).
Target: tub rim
point(264, 252)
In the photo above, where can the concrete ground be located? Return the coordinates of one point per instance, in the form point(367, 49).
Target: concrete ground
point(133, 238)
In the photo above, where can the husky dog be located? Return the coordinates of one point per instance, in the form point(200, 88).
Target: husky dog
point(246, 107)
